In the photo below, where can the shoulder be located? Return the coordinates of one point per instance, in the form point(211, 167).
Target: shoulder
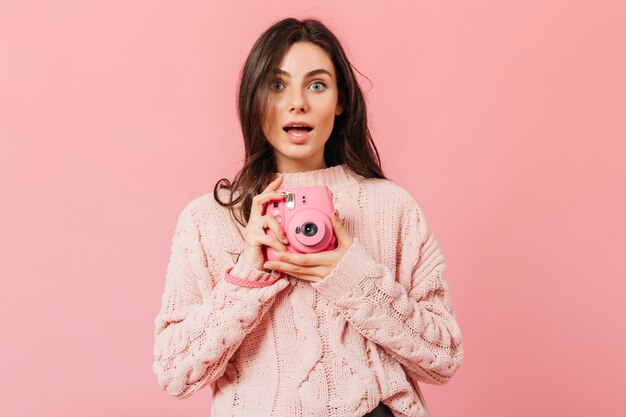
point(212, 223)
point(387, 192)
point(204, 207)
point(391, 203)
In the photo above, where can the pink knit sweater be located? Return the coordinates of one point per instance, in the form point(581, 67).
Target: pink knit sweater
point(379, 324)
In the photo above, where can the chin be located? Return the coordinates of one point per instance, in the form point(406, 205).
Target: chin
point(302, 153)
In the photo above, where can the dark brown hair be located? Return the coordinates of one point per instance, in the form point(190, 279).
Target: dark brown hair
point(350, 141)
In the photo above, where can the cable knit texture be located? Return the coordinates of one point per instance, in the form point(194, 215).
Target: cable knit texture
point(380, 323)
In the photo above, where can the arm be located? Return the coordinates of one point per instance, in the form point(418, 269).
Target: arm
point(196, 332)
point(407, 312)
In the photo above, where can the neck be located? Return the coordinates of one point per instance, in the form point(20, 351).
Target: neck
point(294, 167)
point(333, 177)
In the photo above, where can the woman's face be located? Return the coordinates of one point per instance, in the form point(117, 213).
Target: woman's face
point(297, 95)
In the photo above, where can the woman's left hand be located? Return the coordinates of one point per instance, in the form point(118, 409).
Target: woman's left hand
point(314, 267)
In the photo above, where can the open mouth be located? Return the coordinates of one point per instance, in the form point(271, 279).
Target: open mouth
point(297, 130)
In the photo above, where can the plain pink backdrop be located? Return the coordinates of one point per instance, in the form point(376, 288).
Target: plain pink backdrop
point(504, 119)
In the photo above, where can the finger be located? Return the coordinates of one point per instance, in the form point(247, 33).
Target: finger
point(263, 198)
point(309, 274)
point(274, 184)
point(340, 231)
point(269, 222)
point(287, 267)
point(337, 222)
point(311, 278)
point(308, 277)
point(259, 239)
point(336, 217)
point(274, 226)
point(307, 259)
point(260, 200)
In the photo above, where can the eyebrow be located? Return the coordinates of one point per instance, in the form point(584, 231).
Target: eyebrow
point(308, 74)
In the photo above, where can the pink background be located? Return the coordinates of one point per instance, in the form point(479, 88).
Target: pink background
point(505, 120)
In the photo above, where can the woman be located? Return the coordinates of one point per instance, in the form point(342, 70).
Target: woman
point(343, 332)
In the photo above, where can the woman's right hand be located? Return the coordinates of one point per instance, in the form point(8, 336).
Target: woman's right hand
point(254, 232)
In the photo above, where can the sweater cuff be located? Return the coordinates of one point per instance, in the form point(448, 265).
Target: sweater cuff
point(244, 271)
point(350, 276)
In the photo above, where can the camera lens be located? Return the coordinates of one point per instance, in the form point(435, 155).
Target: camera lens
point(309, 229)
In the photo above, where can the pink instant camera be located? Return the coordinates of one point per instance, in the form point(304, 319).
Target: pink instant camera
point(304, 215)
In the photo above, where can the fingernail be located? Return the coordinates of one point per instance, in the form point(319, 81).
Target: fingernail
point(285, 240)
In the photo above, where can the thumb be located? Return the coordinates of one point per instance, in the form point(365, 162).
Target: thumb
point(340, 231)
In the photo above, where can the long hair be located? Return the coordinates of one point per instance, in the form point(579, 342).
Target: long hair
point(350, 141)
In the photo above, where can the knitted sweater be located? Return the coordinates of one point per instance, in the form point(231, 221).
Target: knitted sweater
point(377, 325)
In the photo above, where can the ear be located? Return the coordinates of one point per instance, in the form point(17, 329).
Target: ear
point(340, 101)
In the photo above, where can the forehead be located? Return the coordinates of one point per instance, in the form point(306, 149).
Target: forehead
point(302, 57)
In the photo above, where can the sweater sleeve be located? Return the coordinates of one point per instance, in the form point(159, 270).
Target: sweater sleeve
point(409, 312)
point(197, 331)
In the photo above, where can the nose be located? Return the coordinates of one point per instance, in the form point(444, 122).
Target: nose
point(298, 101)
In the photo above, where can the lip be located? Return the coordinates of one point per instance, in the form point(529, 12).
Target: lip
point(298, 139)
point(299, 123)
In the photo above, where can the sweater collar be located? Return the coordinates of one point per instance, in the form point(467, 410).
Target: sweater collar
point(332, 177)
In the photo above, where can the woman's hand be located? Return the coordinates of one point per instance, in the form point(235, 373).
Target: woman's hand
point(314, 267)
point(254, 232)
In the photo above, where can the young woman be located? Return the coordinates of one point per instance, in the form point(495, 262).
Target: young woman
point(343, 332)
